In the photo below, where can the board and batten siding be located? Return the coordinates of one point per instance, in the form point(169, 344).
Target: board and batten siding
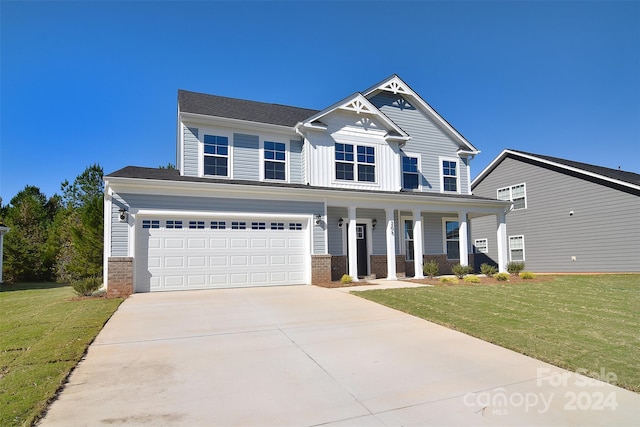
point(119, 230)
point(603, 234)
point(427, 139)
point(191, 158)
point(295, 161)
point(182, 205)
point(246, 157)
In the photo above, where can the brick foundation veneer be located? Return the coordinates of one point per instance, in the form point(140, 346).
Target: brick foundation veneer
point(120, 279)
point(444, 264)
point(338, 266)
point(320, 269)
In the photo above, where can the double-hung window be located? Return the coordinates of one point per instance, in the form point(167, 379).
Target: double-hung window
point(452, 239)
point(348, 161)
point(216, 155)
point(410, 176)
point(516, 248)
point(450, 175)
point(482, 246)
point(516, 193)
point(408, 240)
point(275, 164)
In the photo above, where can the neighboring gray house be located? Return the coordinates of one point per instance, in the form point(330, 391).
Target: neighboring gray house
point(268, 194)
point(567, 216)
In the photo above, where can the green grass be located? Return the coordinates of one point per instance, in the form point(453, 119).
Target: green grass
point(44, 332)
point(575, 322)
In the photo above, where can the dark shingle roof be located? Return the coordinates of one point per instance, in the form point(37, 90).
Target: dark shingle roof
point(137, 172)
point(253, 111)
point(620, 175)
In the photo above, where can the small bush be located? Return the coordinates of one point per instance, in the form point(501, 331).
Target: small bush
point(488, 270)
point(502, 277)
point(448, 280)
point(471, 279)
point(87, 285)
point(461, 270)
point(515, 267)
point(431, 269)
point(527, 275)
point(346, 279)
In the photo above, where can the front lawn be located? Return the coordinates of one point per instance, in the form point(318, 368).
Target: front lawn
point(44, 332)
point(587, 323)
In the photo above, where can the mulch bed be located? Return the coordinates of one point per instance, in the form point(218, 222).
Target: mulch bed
point(436, 281)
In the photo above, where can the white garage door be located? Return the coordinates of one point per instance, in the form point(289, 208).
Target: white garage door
point(184, 253)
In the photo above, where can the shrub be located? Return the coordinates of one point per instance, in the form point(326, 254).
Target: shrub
point(488, 270)
point(471, 279)
point(515, 267)
point(526, 275)
point(346, 279)
point(87, 285)
point(502, 277)
point(448, 280)
point(431, 268)
point(461, 270)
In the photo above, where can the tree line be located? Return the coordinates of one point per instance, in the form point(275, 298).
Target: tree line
point(59, 238)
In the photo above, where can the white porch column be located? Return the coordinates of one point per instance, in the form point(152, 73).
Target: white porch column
point(463, 238)
point(391, 246)
point(352, 244)
point(502, 242)
point(417, 244)
point(3, 229)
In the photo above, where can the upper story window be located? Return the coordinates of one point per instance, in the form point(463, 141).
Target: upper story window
point(410, 175)
point(516, 193)
point(216, 155)
point(275, 160)
point(450, 175)
point(346, 162)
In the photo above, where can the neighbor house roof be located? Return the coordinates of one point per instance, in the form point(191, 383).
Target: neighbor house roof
point(615, 176)
point(241, 109)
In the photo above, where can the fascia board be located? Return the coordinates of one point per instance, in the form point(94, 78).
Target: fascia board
point(334, 197)
point(235, 123)
point(488, 168)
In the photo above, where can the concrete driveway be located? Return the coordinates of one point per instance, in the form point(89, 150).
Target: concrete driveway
point(309, 356)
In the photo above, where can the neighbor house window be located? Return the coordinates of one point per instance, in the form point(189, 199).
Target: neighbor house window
point(450, 175)
point(516, 193)
point(347, 162)
point(410, 176)
point(275, 160)
point(516, 248)
point(482, 246)
point(452, 239)
point(408, 240)
point(216, 155)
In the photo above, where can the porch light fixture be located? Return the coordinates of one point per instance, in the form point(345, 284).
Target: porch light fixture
point(374, 222)
point(340, 222)
point(317, 218)
point(122, 217)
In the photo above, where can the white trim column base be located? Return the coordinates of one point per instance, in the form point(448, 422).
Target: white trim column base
point(391, 245)
point(418, 251)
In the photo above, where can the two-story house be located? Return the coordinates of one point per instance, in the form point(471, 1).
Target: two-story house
point(267, 194)
point(567, 216)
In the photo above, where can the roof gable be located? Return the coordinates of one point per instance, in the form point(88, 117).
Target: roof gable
point(396, 85)
point(613, 176)
point(240, 109)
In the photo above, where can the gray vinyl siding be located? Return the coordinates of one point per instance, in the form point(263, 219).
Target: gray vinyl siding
point(119, 230)
point(191, 159)
point(295, 162)
point(378, 235)
point(431, 229)
point(603, 233)
point(427, 139)
point(246, 157)
point(213, 204)
point(334, 232)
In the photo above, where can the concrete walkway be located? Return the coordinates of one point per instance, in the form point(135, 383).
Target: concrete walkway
point(309, 356)
point(382, 284)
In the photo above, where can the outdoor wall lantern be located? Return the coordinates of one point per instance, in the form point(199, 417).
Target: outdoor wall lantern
point(122, 217)
point(374, 222)
point(317, 218)
point(340, 222)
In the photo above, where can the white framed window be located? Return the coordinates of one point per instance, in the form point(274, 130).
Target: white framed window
point(516, 194)
point(216, 155)
point(516, 248)
point(275, 160)
point(355, 162)
point(449, 175)
point(451, 237)
point(410, 171)
point(481, 246)
point(407, 236)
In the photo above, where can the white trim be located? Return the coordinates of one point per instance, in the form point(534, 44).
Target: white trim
point(287, 159)
point(419, 157)
point(510, 188)
point(441, 171)
point(444, 236)
point(403, 240)
point(355, 181)
point(239, 125)
point(486, 245)
point(106, 251)
point(369, 235)
point(215, 132)
point(517, 236)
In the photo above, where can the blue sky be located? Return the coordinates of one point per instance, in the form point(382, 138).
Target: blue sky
point(96, 82)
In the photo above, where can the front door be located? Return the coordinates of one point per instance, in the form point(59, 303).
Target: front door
point(361, 236)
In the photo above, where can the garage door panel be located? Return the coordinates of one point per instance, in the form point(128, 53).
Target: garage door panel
point(197, 258)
